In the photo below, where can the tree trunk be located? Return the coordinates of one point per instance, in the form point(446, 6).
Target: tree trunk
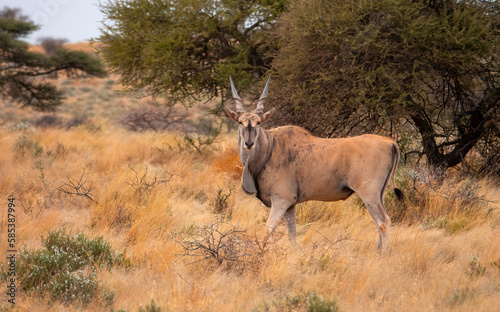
point(467, 138)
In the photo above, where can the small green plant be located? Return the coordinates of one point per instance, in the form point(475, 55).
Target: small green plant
point(219, 202)
point(316, 303)
point(199, 142)
point(66, 267)
point(196, 142)
point(475, 268)
point(151, 307)
point(24, 146)
point(93, 128)
point(496, 263)
point(460, 296)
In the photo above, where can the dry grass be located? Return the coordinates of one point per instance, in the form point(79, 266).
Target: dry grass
point(147, 195)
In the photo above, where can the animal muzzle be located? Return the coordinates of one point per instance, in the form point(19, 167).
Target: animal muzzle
point(248, 145)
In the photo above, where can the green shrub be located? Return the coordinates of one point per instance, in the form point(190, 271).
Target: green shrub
point(24, 146)
point(316, 303)
point(151, 307)
point(72, 287)
point(65, 268)
point(475, 268)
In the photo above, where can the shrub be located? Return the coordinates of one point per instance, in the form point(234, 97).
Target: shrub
point(316, 303)
point(66, 267)
point(449, 202)
point(219, 201)
point(24, 146)
point(222, 245)
point(51, 45)
point(48, 121)
point(143, 183)
point(152, 117)
point(197, 142)
point(75, 122)
point(475, 268)
point(151, 307)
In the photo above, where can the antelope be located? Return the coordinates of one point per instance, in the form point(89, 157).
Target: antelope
point(287, 165)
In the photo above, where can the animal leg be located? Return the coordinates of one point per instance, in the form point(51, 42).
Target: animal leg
point(291, 223)
point(278, 208)
point(377, 211)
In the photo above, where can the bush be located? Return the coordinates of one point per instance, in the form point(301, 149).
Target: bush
point(219, 201)
point(51, 45)
point(152, 117)
point(449, 202)
point(475, 268)
point(24, 146)
point(48, 121)
point(151, 307)
point(66, 267)
point(222, 245)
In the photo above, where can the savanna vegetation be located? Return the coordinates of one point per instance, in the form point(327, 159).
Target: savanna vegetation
point(420, 71)
point(424, 71)
point(125, 204)
point(25, 74)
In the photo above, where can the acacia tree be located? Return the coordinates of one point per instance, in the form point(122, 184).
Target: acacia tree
point(24, 73)
point(426, 67)
point(184, 50)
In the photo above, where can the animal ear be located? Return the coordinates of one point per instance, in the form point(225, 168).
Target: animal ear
point(233, 115)
point(267, 115)
point(248, 182)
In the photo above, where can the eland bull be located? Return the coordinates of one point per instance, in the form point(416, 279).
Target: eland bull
point(287, 165)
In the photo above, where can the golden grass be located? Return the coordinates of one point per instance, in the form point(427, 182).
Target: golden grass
point(147, 194)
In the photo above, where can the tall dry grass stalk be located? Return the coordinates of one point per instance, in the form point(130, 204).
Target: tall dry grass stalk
point(147, 194)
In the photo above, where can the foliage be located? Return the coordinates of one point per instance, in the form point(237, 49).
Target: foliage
point(187, 49)
point(24, 146)
point(476, 268)
point(393, 67)
point(151, 307)
point(23, 72)
point(66, 267)
point(199, 142)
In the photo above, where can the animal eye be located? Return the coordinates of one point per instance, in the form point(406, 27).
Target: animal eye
point(258, 122)
point(240, 122)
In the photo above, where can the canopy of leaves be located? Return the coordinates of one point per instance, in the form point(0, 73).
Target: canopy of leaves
point(184, 50)
point(429, 67)
point(23, 73)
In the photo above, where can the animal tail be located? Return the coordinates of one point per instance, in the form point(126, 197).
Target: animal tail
point(399, 193)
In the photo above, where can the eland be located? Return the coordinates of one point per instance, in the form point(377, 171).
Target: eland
point(287, 165)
